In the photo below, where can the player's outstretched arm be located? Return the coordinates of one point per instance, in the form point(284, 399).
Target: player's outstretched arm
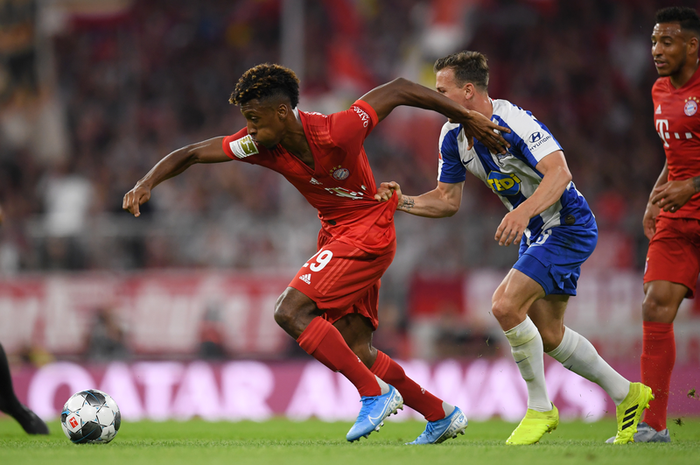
point(404, 92)
point(556, 177)
point(208, 151)
point(440, 202)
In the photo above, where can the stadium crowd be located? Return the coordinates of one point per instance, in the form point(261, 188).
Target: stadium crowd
point(131, 86)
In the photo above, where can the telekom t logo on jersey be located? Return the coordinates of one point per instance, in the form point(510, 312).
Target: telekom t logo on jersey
point(662, 129)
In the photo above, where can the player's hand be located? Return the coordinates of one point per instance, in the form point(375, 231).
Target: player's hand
point(135, 198)
point(673, 195)
point(649, 220)
point(512, 226)
point(486, 131)
point(386, 190)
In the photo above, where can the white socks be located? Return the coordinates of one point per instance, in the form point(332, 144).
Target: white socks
point(528, 352)
point(577, 354)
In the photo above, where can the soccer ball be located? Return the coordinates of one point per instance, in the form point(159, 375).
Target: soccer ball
point(91, 416)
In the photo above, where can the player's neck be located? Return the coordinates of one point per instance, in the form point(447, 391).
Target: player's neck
point(683, 76)
point(295, 142)
point(483, 104)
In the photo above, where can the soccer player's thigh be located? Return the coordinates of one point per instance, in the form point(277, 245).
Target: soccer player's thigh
point(674, 253)
point(342, 279)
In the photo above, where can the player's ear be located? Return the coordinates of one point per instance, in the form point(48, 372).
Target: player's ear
point(468, 90)
point(282, 111)
point(693, 46)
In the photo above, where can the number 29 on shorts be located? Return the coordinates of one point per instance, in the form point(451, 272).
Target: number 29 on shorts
point(319, 260)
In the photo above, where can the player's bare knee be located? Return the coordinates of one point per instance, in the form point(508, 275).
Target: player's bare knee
point(294, 311)
point(500, 309)
point(284, 316)
point(653, 309)
point(289, 314)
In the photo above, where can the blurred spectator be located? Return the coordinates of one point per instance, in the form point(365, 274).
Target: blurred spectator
point(211, 334)
point(106, 338)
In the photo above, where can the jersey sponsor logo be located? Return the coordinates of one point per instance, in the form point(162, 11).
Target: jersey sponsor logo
point(346, 193)
point(662, 129)
point(306, 278)
point(243, 147)
point(363, 116)
point(658, 110)
point(536, 139)
point(339, 173)
point(691, 106)
point(315, 181)
point(503, 184)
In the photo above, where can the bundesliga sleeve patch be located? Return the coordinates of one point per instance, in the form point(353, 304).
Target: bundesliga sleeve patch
point(243, 147)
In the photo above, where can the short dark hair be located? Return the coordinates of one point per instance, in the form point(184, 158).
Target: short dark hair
point(687, 17)
point(468, 66)
point(266, 80)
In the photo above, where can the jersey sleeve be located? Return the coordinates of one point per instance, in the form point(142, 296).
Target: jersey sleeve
point(351, 127)
point(530, 138)
point(450, 167)
point(240, 146)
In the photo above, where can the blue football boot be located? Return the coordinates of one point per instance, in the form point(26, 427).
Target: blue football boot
point(439, 431)
point(374, 410)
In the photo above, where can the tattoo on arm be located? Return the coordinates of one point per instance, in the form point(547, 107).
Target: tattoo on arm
point(406, 203)
point(696, 183)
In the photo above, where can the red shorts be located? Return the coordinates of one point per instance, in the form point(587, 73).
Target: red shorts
point(342, 279)
point(674, 253)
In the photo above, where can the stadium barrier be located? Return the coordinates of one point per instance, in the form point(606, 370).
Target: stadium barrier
point(169, 314)
point(254, 390)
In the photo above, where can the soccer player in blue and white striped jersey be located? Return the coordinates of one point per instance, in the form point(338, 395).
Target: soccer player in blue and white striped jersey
point(554, 227)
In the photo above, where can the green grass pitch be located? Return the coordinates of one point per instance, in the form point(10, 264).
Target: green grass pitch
point(282, 441)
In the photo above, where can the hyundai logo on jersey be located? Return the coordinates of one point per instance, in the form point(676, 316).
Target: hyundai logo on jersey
point(535, 137)
point(504, 184)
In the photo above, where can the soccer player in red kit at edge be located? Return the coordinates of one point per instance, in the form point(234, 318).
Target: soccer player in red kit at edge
point(330, 306)
point(672, 217)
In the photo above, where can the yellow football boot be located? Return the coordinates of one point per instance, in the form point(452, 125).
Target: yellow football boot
point(629, 412)
point(533, 426)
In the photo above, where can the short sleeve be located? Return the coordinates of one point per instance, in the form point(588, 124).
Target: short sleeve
point(450, 167)
point(240, 146)
point(351, 127)
point(532, 140)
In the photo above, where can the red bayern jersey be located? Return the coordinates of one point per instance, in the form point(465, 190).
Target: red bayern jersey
point(677, 120)
point(341, 185)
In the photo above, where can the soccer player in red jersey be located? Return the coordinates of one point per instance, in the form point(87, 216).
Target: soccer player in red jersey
point(672, 217)
point(330, 306)
point(9, 403)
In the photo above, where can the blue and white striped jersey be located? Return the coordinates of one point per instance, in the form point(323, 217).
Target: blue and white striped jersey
point(512, 176)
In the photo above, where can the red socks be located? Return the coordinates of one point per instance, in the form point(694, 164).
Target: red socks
point(413, 395)
point(324, 342)
point(658, 358)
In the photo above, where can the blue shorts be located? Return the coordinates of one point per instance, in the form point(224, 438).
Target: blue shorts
point(554, 258)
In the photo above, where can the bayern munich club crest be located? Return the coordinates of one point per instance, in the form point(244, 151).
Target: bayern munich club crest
point(339, 173)
point(691, 106)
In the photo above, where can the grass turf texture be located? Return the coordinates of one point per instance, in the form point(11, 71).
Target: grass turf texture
point(281, 441)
